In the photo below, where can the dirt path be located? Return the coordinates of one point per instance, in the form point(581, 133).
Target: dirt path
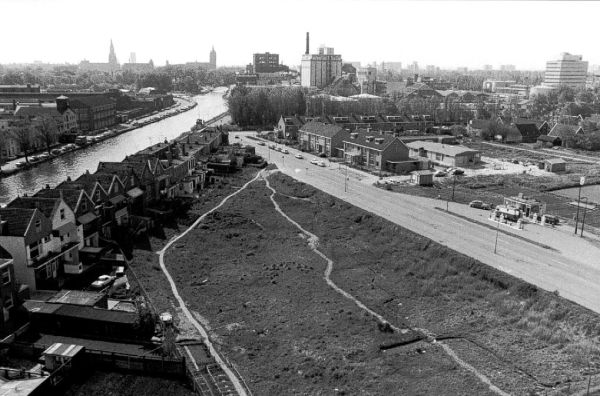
point(313, 242)
point(237, 383)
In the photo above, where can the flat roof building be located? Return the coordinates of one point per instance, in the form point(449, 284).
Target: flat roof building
point(319, 70)
point(569, 70)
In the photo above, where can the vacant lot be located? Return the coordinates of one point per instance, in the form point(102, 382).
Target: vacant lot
point(252, 275)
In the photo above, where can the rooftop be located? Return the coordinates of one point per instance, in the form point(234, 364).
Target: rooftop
point(441, 148)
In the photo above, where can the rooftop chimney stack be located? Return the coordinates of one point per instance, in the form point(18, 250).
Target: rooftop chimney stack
point(307, 46)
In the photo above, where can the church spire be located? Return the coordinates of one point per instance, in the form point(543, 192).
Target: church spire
point(112, 58)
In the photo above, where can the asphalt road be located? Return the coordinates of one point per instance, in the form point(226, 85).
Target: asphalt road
point(572, 269)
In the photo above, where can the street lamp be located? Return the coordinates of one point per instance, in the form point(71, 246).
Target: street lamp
point(581, 183)
point(584, 211)
point(497, 232)
point(453, 187)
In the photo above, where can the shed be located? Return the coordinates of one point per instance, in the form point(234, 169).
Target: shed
point(555, 165)
point(58, 354)
point(422, 177)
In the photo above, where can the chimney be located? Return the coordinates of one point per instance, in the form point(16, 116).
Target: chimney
point(307, 44)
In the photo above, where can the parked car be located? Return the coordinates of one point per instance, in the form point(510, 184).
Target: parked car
point(323, 155)
point(299, 156)
point(480, 205)
point(550, 219)
point(102, 281)
point(261, 143)
point(237, 136)
point(321, 163)
point(314, 161)
point(21, 164)
point(439, 173)
point(456, 171)
point(285, 151)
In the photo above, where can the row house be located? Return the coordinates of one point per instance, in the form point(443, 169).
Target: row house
point(83, 207)
point(321, 138)
point(9, 289)
point(376, 152)
point(41, 236)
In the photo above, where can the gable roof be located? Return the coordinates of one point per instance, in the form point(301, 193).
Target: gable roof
point(563, 130)
point(17, 220)
point(318, 128)
point(70, 196)
point(45, 205)
point(528, 129)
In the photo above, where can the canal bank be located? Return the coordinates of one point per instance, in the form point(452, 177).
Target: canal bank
point(114, 149)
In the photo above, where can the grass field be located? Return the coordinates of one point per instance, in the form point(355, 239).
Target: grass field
point(252, 275)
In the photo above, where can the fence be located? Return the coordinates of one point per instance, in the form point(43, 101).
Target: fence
point(150, 365)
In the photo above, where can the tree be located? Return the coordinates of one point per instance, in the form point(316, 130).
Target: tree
point(46, 131)
point(23, 136)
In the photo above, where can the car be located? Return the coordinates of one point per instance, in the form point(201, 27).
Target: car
point(237, 137)
point(457, 172)
point(323, 155)
point(272, 146)
point(550, 219)
point(21, 164)
point(299, 156)
point(321, 163)
point(278, 149)
point(261, 143)
point(285, 151)
point(440, 173)
point(314, 161)
point(477, 204)
point(102, 281)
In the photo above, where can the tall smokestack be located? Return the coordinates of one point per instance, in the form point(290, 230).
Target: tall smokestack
point(307, 42)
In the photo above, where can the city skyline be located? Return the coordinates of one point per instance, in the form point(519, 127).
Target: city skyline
point(441, 36)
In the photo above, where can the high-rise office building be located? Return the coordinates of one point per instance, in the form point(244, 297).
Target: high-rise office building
point(569, 70)
point(319, 70)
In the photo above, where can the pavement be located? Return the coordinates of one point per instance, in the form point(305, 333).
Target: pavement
point(572, 267)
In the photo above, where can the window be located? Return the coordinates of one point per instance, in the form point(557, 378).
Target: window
point(8, 302)
point(62, 214)
point(97, 195)
point(5, 275)
point(34, 250)
point(38, 225)
point(84, 206)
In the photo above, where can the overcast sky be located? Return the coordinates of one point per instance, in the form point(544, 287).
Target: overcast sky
point(443, 33)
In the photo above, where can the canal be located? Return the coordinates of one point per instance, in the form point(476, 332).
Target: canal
point(115, 149)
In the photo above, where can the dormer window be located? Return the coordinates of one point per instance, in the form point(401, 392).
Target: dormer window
point(38, 225)
point(62, 214)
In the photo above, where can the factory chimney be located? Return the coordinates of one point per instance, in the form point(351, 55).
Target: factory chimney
point(307, 41)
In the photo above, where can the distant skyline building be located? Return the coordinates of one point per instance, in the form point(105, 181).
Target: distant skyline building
point(319, 70)
point(267, 63)
point(212, 60)
point(462, 69)
point(395, 66)
point(569, 70)
point(112, 57)
point(488, 67)
point(132, 58)
point(507, 68)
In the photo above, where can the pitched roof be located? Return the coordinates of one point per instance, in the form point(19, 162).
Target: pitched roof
point(563, 130)
point(445, 149)
point(45, 205)
point(122, 168)
point(36, 111)
point(17, 220)
point(528, 129)
point(361, 139)
point(70, 196)
point(546, 138)
point(318, 128)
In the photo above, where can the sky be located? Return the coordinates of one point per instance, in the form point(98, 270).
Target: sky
point(444, 33)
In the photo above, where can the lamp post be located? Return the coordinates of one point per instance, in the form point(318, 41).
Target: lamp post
point(497, 232)
point(581, 183)
point(346, 179)
point(453, 187)
point(584, 211)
